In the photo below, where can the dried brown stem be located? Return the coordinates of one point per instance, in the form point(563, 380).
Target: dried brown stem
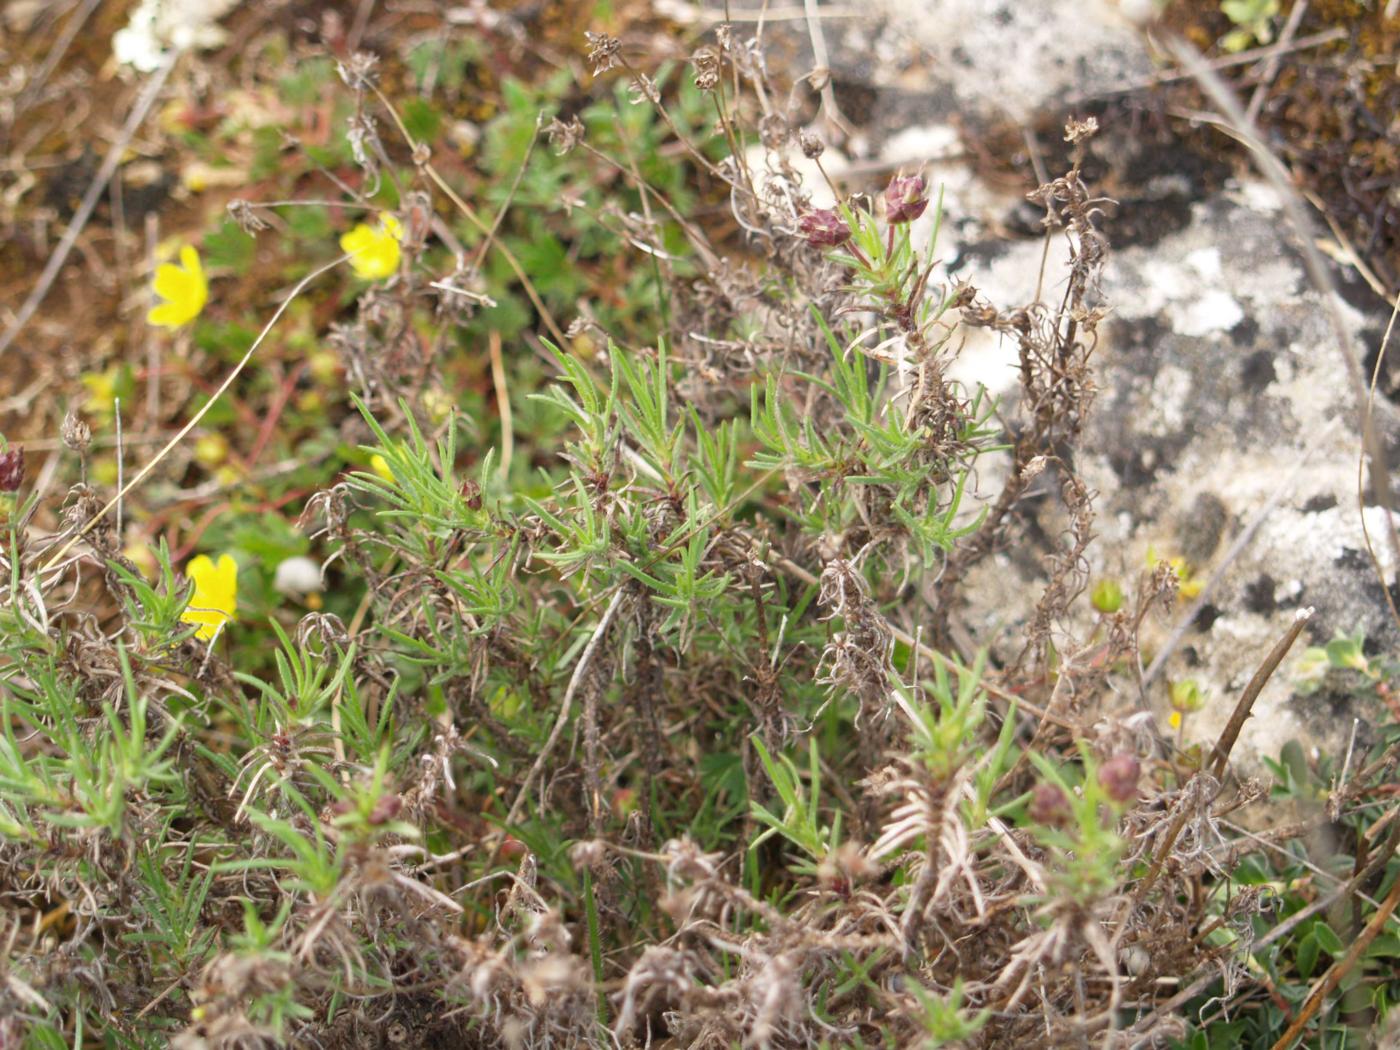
point(1328, 982)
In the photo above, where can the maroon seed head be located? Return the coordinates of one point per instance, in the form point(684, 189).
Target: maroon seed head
point(824, 228)
point(11, 469)
point(906, 197)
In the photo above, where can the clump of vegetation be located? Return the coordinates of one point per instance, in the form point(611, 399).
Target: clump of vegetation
point(608, 689)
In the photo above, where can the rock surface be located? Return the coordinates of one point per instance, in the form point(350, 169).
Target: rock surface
point(1224, 409)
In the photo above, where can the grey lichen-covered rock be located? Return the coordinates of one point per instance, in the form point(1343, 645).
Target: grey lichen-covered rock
point(1223, 399)
point(1223, 405)
point(1016, 58)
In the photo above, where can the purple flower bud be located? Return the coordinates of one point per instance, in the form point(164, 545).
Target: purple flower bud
point(906, 197)
point(11, 469)
point(1119, 777)
point(824, 228)
point(386, 808)
point(1049, 806)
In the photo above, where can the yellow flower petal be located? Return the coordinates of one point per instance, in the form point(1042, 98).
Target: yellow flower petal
point(184, 289)
point(170, 282)
point(215, 596)
point(380, 466)
point(374, 252)
point(190, 258)
point(166, 315)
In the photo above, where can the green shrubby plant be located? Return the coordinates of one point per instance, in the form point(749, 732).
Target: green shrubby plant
point(629, 703)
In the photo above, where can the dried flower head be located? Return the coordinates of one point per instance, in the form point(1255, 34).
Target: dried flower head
point(602, 51)
point(706, 63)
point(365, 147)
point(857, 658)
point(591, 854)
point(774, 131)
point(811, 144)
point(906, 197)
point(643, 89)
point(824, 228)
point(565, 137)
point(243, 213)
point(11, 469)
point(75, 432)
point(1076, 131)
point(358, 71)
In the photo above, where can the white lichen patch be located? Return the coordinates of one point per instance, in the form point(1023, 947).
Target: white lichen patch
point(1214, 311)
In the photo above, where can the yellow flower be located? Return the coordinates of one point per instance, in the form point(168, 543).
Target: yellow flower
point(374, 253)
point(183, 288)
point(103, 389)
point(380, 466)
point(215, 594)
point(1174, 719)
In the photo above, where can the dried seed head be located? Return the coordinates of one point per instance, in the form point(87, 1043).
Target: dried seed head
point(591, 854)
point(75, 432)
point(1119, 777)
point(603, 51)
point(774, 131)
point(1049, 806)
point(565, 137)
point(248, 220)
point(11, 469)
point(706, 63)
point(812, 145)
point(1076, 131)
point(358, 70)
point(857, 658)
point(471, 493)
point(364, 143)
point(824, 228)
point(643, 89)
point(906, 197)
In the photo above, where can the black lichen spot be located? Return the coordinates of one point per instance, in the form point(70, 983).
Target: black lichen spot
point(1245, 333)
point(1139, 333)
point(1135, 467)
point(1351, 558)
point(978, 253)
point(1200, 528)
point(1258, 372)
point(1206, 617)
point(1259, 595)
point(856, 100)
point(1317, 504)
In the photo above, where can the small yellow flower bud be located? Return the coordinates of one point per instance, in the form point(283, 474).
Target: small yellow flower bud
point(210, 450)
point(324, 365)
point(1107, 596)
